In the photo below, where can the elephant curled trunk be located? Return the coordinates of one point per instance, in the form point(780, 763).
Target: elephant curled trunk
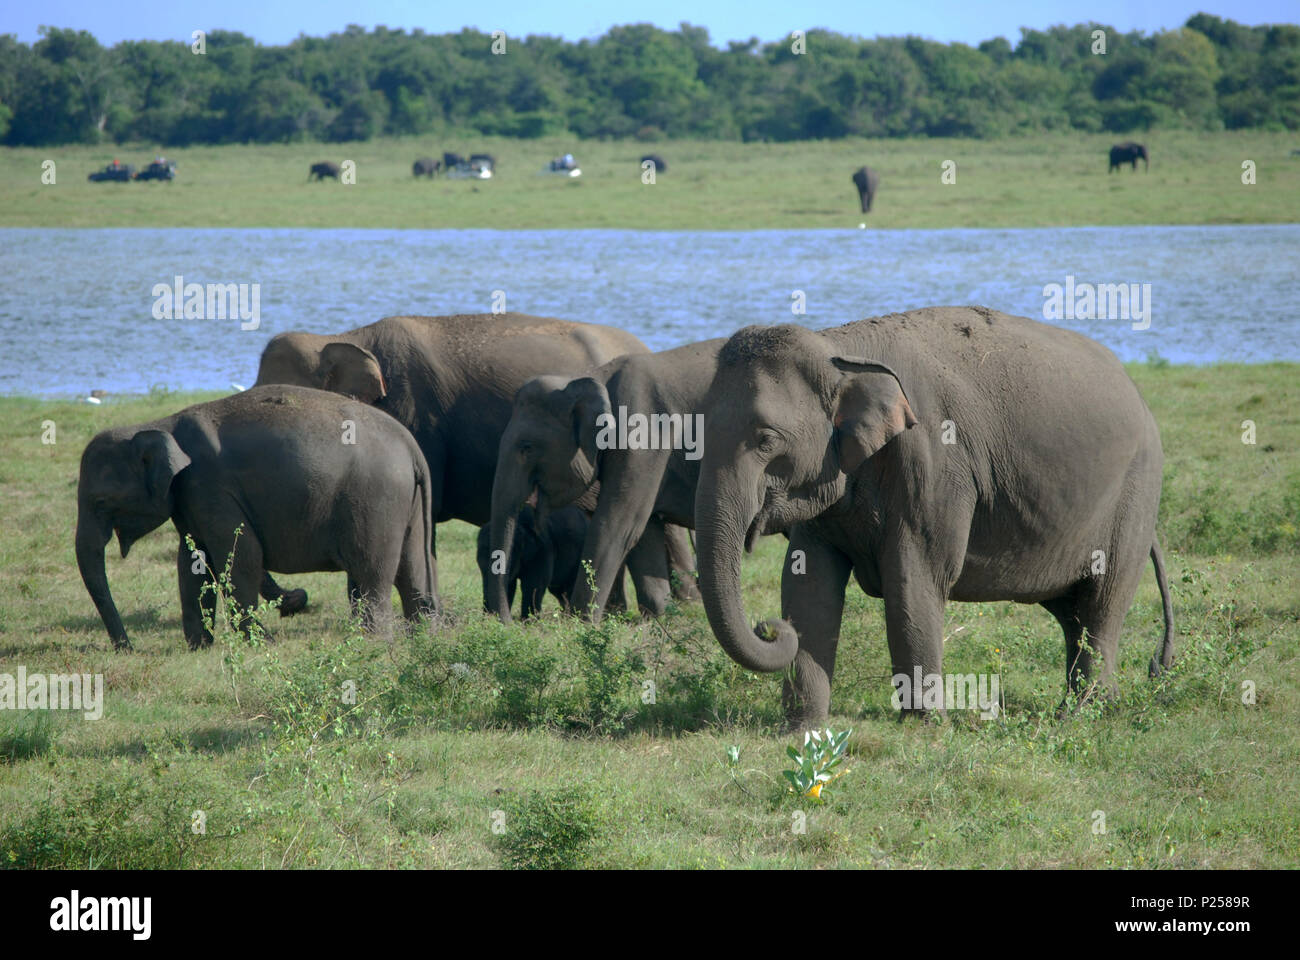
point(92, 537)
point(724, 515)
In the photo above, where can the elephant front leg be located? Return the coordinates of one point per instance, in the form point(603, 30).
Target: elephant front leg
point(914, 605)
point(812, 599)
point(198, 605)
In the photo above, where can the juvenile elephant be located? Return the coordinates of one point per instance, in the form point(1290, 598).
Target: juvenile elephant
point(866, 180)
point(450, 381)
point(544, 555)
point(322, 170)
point(1128, 152)
point(951, 453)
point(559, 444)
point(425, 167)
point(315, 480)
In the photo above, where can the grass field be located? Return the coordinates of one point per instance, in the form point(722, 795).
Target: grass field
point(542, 730)
point(1049, 180)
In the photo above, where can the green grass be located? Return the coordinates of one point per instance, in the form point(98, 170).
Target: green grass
point(479, 745)
point(1040, 181)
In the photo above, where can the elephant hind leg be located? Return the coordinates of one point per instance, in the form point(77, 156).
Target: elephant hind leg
point(416, 578)
point(681, 563)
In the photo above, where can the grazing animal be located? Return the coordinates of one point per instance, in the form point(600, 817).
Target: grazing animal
point(451, 382)
point(544, 555)
point(950, 453)
point(658, 161)
point(425, 167)
point(1128, 152)
point(311, 480)
point(322, 170)
point(866, 180)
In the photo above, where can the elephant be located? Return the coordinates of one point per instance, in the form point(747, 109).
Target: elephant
point(866, 180)
point(452, 160)
point(658, 161)
point(948, 453)
point(425, 167)
point(480, 159)
point(1128, 152)
point(322, 170)
point(555, 449)
point(311, 480)
point(451, 381)
point(544, 555)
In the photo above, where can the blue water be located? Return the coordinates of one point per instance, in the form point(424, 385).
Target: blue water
point(76, 306)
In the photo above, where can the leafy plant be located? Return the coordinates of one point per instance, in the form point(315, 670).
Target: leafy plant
point(823, 751)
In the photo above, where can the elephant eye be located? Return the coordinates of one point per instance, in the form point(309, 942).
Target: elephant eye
point(767, 441)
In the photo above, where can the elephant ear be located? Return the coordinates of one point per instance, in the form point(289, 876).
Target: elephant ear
point(352, 371)
point(161, 459)
point(588, 400)
point(871, 409)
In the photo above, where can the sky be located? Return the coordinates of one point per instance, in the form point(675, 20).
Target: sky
point(278, 22)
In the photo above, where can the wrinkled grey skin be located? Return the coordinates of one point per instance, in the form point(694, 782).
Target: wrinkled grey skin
point(450, 381)
point(549, 455)
point(544, 556)
point(322, 170)
point(839, 435)
point(1128, 152)
point(866, 180)
point(425, 167)
point(272, 459)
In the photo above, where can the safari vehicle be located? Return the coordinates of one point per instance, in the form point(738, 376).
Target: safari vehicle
point(160, 169)
point(564, 166)
point(115, 171)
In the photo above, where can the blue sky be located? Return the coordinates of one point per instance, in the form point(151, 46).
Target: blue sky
point(274, 22)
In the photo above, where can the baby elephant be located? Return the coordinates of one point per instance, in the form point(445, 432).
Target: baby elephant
point(545, 556)
point(315, 480)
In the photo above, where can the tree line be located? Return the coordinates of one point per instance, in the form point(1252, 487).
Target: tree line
point(642, 81)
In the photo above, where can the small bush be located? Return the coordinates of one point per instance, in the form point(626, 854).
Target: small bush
point(553, 829)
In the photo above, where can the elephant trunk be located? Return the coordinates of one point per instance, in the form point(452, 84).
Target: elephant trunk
point(93, 535)
point(508, 495)
point(725, 508)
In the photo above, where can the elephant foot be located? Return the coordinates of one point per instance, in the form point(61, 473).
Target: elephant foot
point(199, 643)
point(293, 601)
point(122, 646)
point(926, 717)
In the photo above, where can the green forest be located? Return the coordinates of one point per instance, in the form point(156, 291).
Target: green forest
point(643, 82)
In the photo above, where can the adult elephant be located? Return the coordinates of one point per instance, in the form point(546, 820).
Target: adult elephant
point(269, 463)
point(866, 180)
point(425, 167)
point(322, 170)
point(452, 160)
point(934, 455)
point(567, 435)
point(1128, 152)
point(451, 381)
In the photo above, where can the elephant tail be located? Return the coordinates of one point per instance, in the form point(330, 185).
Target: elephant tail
point(1164, 655)
point(423, 489)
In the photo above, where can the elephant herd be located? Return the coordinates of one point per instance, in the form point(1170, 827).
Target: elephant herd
point(931, 455)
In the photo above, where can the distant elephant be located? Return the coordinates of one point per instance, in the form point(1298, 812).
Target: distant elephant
point(451, 381)
point(483, 158)
point(1128, 152)
point(950, 453)
point(866, 180)
point(452, 160)
point(658, 161)
point(316, 482)
point(555, 449)
point(544, 555)
point(425, 167)
point(322, 170)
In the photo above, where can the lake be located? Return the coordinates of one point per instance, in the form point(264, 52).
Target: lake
point(78, 308)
